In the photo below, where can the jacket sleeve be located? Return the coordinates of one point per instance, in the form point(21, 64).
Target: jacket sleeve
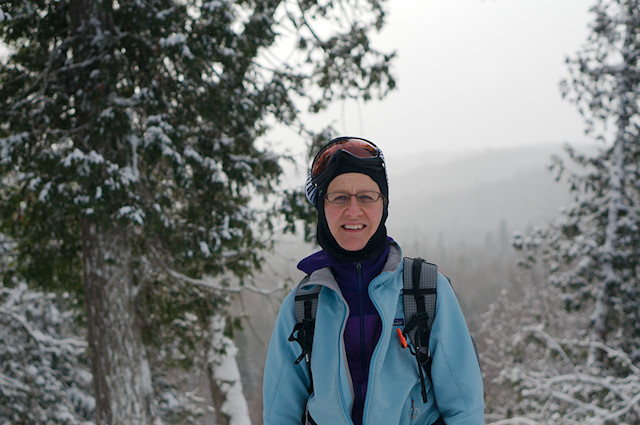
point(285, 387)
point(455, 371)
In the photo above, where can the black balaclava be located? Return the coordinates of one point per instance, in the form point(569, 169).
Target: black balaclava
point(341, 163)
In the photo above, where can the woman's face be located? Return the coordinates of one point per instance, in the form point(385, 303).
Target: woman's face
point(353, 224)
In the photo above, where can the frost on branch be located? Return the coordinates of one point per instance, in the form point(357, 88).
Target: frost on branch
point(575, 361)
point(43, 373)
point(534, 356)
point(576, 394)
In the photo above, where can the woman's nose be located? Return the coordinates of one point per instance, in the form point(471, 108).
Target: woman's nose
point(353, 206)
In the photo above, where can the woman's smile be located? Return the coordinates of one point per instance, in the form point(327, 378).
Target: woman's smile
point(352, 224)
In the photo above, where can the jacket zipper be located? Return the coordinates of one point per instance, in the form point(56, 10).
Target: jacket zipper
point(347, 416)
point(373, 354)
point(363, 351)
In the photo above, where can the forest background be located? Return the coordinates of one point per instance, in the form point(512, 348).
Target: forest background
point(131, 218)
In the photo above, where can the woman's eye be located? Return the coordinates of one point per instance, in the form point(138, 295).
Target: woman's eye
point(366, 197)
point(340, 198)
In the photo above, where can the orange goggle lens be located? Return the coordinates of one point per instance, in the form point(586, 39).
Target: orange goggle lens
point(357, 147)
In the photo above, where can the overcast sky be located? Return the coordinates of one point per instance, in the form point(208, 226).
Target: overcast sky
point(471, 74)
point(474, 74)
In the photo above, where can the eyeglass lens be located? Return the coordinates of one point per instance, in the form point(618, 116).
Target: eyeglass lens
point(342, 198)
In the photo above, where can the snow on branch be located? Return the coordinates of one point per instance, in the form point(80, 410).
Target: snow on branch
point(515, 421)
point(208, 282)
point(42, 352)
point(584, 393)
point(9, 382)
point(612, 354)
point(42, 339)
point(550, 342)
point(211, 283)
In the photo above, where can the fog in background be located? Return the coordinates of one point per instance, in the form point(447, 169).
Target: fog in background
point(459, 211)
point(471, 75)
point(468, 137)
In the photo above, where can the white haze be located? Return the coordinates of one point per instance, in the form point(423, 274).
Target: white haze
point(472, 75)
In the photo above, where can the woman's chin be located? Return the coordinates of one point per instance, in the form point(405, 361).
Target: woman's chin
point(352, 245)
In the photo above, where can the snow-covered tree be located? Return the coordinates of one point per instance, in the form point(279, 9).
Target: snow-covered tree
point(533, 357)
point(129, 154)
point(44, 375)
point(593, 250)
point(568, 352)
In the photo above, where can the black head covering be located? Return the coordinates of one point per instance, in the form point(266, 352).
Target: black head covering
point(341, 163)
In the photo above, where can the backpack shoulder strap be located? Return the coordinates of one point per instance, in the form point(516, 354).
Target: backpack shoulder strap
point(305, 305)
point(419, 300)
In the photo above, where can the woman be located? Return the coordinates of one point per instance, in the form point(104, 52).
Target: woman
point(359, 374)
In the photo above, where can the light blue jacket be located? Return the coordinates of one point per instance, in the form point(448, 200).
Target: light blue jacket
point(394, 392)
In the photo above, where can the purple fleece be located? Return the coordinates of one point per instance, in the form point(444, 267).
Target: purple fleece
point(363, 325)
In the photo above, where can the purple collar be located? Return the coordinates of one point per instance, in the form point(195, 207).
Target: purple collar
point(322, 259)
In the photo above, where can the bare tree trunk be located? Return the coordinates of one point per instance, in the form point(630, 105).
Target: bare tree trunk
point(121, 376)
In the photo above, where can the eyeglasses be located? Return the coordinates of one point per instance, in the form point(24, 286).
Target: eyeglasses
point(343, 198)
point(358, 147)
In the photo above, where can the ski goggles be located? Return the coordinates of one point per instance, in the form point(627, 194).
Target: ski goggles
point(357, 147)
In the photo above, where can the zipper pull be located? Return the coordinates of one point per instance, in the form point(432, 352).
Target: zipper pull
point(414, 412)
point(403, 340)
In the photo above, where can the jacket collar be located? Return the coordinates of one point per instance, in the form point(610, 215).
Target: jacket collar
point(322, 259)
point(318, 266)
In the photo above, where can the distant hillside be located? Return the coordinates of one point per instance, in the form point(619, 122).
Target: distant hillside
point(468, 196)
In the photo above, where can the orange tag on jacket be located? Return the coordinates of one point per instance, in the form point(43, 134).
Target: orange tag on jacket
point(403, 340)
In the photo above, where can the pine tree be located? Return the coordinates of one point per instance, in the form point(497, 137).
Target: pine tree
point(579, 366)
point(44, 376)
point(593, 250)
point(129, 156)
point(533, 355)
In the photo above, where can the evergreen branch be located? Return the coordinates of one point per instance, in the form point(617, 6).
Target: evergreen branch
point(42, 78)
point(546, 384)
point(550, 342)
point(612, 353)
point(306, 24)
point(39, 338)
point(9, 382)
point(587, 379)
point(515, 421)
point(563, 396)
point(632, 404)
point(210, 283)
